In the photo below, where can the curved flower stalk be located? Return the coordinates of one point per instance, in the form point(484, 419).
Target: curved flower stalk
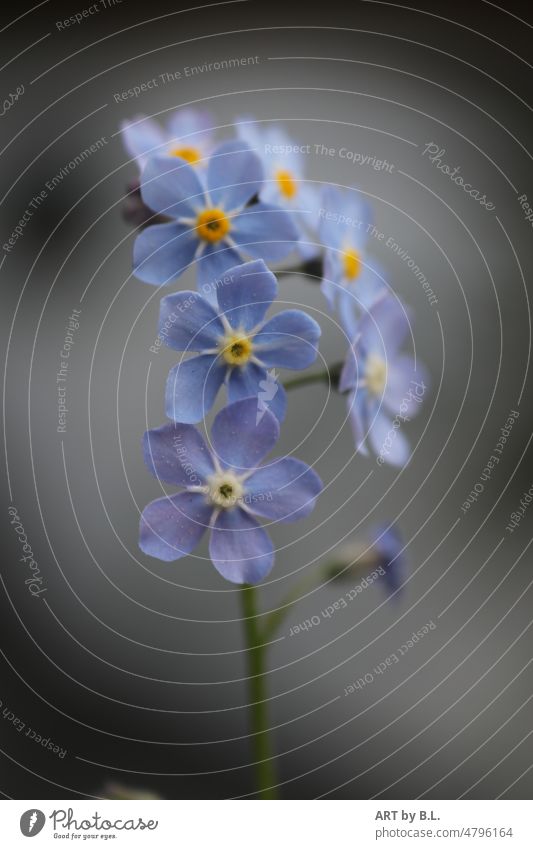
point(385, 387)
point(285, 183)
point(187, 135)
point(234, 344)
point(212, 220)
point(350, 285)
point(225, 488)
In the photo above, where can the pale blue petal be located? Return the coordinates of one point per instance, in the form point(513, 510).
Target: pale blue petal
point(173, 526)
point(288, 340)
point(171, 187)
point(266, 231)
point(187, 322)
point(406, 386)
point(234, 175)
point(388, 442)
point(212, 269)
point(384, 327)
point(254, 381)
point(240, 548)
point(239, 440)
point(284, 491)
point(192, 387)
point(247, 295)
point(163, 251)
point(142, 137)
point(186, 121)
point(176, 453)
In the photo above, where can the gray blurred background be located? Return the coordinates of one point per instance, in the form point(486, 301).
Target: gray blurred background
point(136, 667)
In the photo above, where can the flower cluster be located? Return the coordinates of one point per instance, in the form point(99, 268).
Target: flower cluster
point(226, 209)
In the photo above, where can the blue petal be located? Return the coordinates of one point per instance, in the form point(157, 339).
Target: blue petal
point(240, 548)
point(347, 313)
point(172, 527)
point(406, 386)
point(265, 231)
point(212, 268)
point(177, 454)
point(350, 371)
point(239, 440)
point(284, 491)
point(187, 322)
point(142, 137)
point(288, 340)
point(357, 420)
point(254, 381)
point(339, 216)
point(247, 295)
point(389, 546)
point(163, 251)
point(192, 387)
point(384, 327)
point(388, 442)
point(185, 122)
point(171, 187)
point(234, 175)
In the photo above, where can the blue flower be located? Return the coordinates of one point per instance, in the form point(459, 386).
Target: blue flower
point(350, 284)
point(285, 183)
point(233, 343)
point(386, 388)
point(381, 551)
point(224, 489)
point(187, 136)
point(212, 223)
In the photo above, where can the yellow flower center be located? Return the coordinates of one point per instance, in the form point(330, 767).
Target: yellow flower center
point(190, 154)
point(286, 183)
point(212, 225)
point(224, 489)
point(376, 374)
point(236, 348)
point(352, 263)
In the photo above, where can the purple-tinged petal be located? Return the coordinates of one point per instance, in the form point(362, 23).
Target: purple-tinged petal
point(213, 265)
point(187, 322)
point(265, 231)
point(405, 387)
point(240, 548)
point(239, 440)
point(234, 175)
point(163, 251)
point(288, 340)
point(388, 546)
point(247, 295)
point(344, 218)
point(186, 121)
point(347, 306)
point(172, 527)
point(171, 187)
point(142, 137)
point(284, 491)
point(357, 421)
point(350, 371)
point(192, 387)
point(176, 453)
point(254, 381)
point(384, 327)
point(387, 441)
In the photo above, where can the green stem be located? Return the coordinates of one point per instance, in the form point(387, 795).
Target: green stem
point(330, 376)
point(263, 757)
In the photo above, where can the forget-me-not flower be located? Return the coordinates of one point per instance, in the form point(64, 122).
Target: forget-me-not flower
point(285, 183)
point(385, 387)
point(350, 285)
point(187, 136)
point(224, 489)
point(212, 221)
point(233, 343)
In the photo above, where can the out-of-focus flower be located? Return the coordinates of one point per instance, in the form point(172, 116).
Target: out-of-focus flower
point(224, 489)
point(212, 222)
point(378, 555)
point(187, 136)
point(285, 183)
point(351, 285)
point(233, 343)
point(115, 790)
point(385, 387)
